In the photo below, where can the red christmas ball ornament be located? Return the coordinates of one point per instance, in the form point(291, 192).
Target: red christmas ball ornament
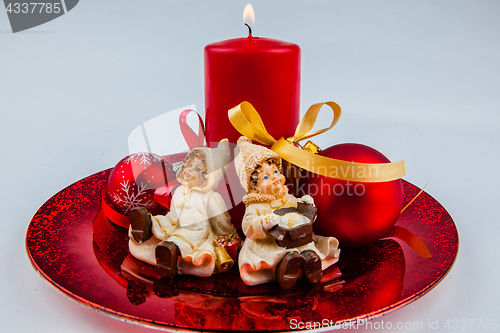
point(356, 213)
point(133, 181)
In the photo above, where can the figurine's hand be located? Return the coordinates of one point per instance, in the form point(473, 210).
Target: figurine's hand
point(270, 220)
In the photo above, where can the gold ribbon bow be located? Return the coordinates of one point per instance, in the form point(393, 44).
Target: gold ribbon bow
point(248, 122)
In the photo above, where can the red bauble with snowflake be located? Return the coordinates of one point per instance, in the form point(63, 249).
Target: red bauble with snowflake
point(135, 178)
point(356, 213)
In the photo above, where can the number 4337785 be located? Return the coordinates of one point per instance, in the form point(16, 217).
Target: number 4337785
point(471, 324)
point(33, 7)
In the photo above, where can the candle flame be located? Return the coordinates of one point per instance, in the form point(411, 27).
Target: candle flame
point(248, 14)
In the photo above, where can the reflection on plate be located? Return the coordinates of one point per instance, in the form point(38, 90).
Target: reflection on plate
point(80, 252)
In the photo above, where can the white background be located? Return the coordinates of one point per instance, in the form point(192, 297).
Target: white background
point(417, 80)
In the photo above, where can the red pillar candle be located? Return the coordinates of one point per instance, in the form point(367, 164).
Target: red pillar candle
point(262, 71)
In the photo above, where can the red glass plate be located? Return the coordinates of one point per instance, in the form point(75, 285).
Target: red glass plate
point(72, 244)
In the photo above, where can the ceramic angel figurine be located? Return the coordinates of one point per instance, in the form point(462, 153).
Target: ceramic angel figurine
point(279, 241)
point(186, 240)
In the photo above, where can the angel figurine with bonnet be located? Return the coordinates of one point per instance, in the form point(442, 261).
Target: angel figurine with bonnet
point(279, 242)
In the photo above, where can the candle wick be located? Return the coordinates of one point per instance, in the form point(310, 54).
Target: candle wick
point(249, 29)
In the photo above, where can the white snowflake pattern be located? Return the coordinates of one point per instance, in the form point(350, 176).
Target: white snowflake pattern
point(131, 200)
point(144, 158)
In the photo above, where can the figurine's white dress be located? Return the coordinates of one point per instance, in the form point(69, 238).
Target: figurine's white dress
point(260, 254)
point(196, 218)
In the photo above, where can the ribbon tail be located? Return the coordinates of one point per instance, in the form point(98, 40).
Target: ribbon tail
point(333, 168)
point(411, 240)
point(415, 197)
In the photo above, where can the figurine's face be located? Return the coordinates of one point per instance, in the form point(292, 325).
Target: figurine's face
point(269, 180)
point(193, 172)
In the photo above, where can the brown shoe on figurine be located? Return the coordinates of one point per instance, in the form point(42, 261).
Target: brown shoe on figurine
point(140, 223)
point(312, 266)
point(167, 255)
point(287, 271)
